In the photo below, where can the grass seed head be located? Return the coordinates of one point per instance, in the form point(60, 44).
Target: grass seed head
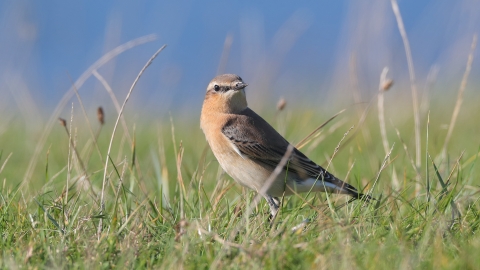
point(281, 104)
point(100, 115)
point(63, 122)
point(387, 84)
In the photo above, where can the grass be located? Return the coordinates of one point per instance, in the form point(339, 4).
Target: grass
point(167, 203)
point(160, 200)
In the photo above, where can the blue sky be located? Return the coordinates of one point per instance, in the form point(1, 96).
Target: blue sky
point(283, 46)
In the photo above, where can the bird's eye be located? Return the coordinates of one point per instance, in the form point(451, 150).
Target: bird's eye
point(216, 87)
point(237, 85)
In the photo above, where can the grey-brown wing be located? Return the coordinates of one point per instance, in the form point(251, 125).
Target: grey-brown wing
point(265, 145)
point(251, 143)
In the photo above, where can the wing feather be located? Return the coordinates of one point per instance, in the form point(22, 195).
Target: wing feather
point(267, 146)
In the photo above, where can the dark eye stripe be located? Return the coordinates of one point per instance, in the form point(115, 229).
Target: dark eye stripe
point(224, 88)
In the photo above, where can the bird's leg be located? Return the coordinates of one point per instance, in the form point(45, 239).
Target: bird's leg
point(277, 201)
point(274, 204)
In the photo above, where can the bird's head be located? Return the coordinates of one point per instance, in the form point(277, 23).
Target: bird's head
point(227, 93)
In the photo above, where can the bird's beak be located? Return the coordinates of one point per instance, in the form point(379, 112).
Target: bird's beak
point(239, 86)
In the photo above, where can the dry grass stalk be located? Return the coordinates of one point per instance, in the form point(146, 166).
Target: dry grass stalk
point(357, 95)
point(409, 157)
point(360, 123)
point(307, 139)
point(69, 159)
point(381, 109)
point(354, 80)
point(72, 149)
point(102, 202)
point(458, 104)
point(86, 118)
point(384, 165)
point(425, 100)
point(181, 183)
point(411, 70)
point(101, 120)
point(164, 171)
point(227, 45)
point(5, 162)
point(338, 146)
point(56, 113)
point(357, 99)
point(114, 100)
point(384, 86)
point(219, 239)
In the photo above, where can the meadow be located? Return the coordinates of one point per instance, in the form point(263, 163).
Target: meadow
point(151, 195)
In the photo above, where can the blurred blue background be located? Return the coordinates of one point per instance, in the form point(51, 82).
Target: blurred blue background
point(283, 48)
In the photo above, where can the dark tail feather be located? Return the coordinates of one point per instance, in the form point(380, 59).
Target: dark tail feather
point(363, 197)
point(351, 190)
point(360, 196)
point(357, 196)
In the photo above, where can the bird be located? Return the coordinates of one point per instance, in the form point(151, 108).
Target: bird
point(249, 149)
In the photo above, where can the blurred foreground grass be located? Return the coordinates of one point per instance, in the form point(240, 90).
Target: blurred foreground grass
point(169, 205)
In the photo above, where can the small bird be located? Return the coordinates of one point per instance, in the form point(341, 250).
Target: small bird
point(249, 149)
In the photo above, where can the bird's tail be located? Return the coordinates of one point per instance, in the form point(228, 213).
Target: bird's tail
point(356, 195)
point(362, 197)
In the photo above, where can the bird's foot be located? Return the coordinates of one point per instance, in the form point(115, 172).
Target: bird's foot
point(274, 204)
